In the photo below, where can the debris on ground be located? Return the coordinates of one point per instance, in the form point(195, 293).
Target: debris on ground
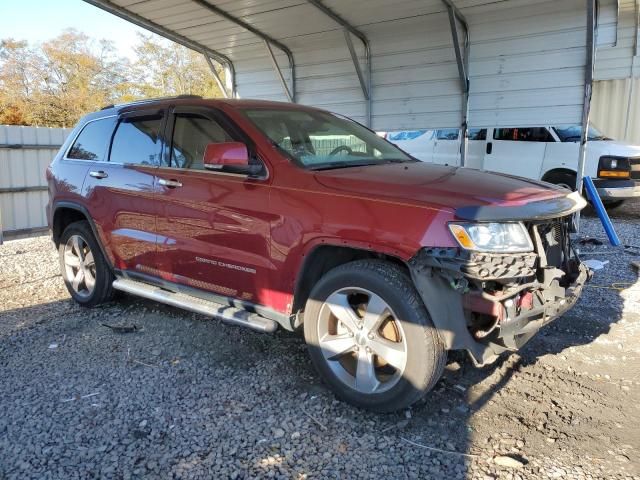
point(122, 328)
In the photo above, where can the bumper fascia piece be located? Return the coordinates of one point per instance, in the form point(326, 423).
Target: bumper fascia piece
point(617, 189)
point(489, 303)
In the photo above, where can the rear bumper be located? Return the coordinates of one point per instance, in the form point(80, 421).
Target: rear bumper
point(617, 189)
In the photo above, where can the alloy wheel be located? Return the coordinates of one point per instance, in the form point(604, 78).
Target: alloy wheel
point(362, 340)
point(79, 266)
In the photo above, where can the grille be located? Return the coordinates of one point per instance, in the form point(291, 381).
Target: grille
point(554, 241)
point(635, 168)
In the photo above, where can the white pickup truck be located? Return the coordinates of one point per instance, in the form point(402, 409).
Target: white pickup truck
point(545, 153)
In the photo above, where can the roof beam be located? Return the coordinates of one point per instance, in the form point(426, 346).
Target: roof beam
point(586, 105)
point(365, 85)
point(216, 77)
point(258, 33)
point(462, 60)
point(118, 11)
point(276, 67)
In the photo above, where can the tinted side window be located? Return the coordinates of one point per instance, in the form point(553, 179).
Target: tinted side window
point(137, 140)
point(448, 134)
point(92, 142)
point(533, 134)
point(477, 134)
point(191, 135)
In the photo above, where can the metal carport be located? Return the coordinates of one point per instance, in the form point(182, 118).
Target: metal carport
point(403, 64)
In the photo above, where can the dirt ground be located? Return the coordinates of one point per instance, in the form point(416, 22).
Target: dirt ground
point(185, 396)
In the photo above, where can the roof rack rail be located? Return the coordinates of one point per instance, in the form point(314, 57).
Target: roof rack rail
point(146, 100)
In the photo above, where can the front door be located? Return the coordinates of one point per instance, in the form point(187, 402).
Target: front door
point(517, 151)
point(213, 226)
point(476, 144)
point(120, 191)
point(446, 150)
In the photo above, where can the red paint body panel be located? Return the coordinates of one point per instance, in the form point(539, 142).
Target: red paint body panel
point(247, 238)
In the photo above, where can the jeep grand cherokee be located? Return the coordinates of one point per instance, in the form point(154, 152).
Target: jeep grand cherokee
point(272, 215)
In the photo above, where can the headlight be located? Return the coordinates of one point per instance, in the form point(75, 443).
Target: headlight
point(614, 167)
point(492, 237)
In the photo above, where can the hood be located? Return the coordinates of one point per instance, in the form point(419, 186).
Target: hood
point(437, 186)
point(614, 147)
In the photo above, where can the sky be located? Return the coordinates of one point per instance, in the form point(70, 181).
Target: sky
point(40, 20)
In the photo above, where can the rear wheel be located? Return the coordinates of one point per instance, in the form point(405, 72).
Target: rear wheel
point(611, 204)
point(371, 338)
point(563, 179)
point(84, 270)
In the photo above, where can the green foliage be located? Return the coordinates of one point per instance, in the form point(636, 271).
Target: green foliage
point(55, 83)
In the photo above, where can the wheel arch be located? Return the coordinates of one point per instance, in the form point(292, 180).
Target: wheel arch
point(322, 258)
point(556, 171)
point(64, 214)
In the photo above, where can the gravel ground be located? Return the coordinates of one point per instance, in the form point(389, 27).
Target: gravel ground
point(188, 397)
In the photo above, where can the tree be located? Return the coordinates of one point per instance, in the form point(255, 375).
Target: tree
point(59, 81)
point(15, 81)
point(165, 68)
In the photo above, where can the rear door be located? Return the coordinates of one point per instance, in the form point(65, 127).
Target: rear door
point(120, 192)
point(517, 151)
point(213, 226)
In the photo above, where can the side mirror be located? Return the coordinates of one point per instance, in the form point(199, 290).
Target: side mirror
point(228, 154)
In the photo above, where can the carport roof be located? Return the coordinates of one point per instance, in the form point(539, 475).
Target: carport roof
point(526, 63)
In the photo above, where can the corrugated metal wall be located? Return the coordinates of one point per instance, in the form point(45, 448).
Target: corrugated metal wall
point(25, 153)
point(616, 62)
point(610, 105)
point(527, 56)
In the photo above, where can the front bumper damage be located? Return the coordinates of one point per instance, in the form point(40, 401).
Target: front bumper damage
point(488, 303)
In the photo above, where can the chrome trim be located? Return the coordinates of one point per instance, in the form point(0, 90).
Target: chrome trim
point(232, 315)
point(619, 193)
point(169, 183)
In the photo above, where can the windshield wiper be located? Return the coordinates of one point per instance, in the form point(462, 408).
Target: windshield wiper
point(332, 165)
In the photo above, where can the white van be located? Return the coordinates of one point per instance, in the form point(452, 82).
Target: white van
point(545, 153)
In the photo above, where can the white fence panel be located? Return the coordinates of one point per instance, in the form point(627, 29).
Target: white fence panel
point(25, 153)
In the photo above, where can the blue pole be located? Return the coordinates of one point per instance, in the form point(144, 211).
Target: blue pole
point(600, 210)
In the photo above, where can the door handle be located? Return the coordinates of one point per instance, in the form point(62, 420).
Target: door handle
point(489, 147)
point(98, 174)
point(169, 183)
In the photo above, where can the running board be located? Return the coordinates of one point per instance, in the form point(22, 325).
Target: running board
point(226, 313)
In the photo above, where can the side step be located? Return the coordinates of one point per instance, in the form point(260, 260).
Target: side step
point(226, 313)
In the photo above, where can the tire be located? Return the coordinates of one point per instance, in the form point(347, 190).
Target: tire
point(94, 277)
point(611, 204)
point(404, 333)
point(563, 179)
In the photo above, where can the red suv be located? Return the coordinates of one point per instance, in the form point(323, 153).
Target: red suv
point(272, 215)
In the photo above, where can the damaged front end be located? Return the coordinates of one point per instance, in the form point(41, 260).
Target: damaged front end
point(490, 302)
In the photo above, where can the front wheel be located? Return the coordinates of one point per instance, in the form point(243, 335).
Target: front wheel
point(370, 336)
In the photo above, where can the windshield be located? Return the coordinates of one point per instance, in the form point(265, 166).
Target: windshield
point(319, 140)
point(572, 133)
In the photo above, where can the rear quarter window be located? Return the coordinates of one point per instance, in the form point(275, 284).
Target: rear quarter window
point(93, 140)
point(530, 134)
